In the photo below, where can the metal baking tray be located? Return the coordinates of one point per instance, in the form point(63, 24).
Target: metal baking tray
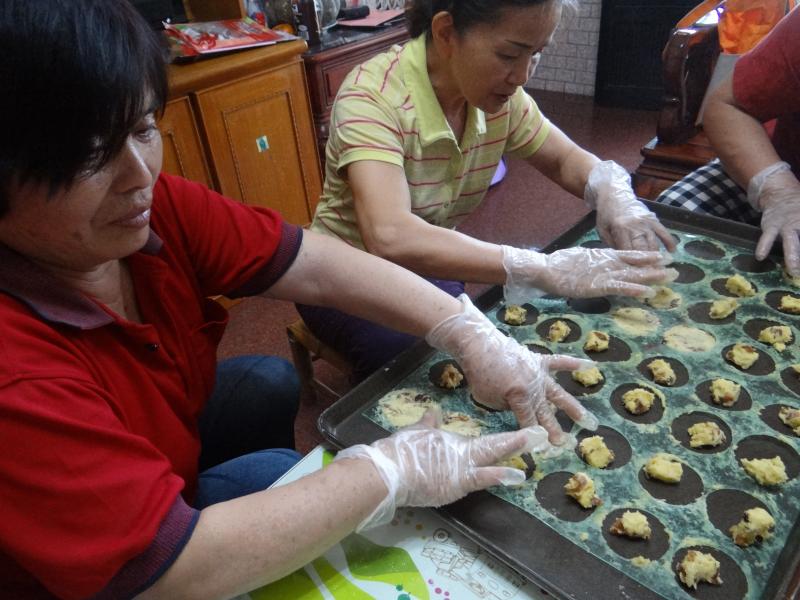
point(523, 542)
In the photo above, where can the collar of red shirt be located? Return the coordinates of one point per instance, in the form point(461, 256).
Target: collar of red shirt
point(47, 297)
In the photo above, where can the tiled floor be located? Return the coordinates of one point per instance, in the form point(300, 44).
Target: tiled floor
point(525, 209)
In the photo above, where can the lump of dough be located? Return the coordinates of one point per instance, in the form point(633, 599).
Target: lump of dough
point(756, 525)
point(706, 433)
point(689, 339)
point(722, 308)
point(664, 298)
point(664, 467)
point(404, 407)
point(632, 524)
point(595, 452)
point(635, 321)
point(450, 378)
point(789, 304)
point(725, 392)
point(766, 471)
point(662, 372)
point(638, 400)
point(597, 341)
point(456, 422)
point(699, 567)
point(581, 487)
point(742, 355)
point(790, 417)
point(739, 286)
point(515, 314)
point(558, 331)
point(777, 335)
point(523, 462)
point(588, 377)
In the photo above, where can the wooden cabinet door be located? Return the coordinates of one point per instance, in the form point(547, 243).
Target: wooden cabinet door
point(183, 148)
point(261, 141)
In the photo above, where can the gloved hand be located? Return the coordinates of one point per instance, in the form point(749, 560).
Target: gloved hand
point(776, 192)
point(422, 465)
point(582, 273)
point(504, 375)
point(623, 222)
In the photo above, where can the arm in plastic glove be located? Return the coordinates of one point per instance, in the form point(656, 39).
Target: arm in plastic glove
point(422, 465)
point(494, 362)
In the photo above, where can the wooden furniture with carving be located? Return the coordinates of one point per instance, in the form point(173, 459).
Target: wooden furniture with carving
point(329, 62)
point(680, 146)
point(241, 123)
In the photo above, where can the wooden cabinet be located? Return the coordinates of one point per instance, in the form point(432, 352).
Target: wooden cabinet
point(242, 123)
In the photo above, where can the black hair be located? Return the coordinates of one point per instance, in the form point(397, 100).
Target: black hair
point(466, 13)
point(76, 77)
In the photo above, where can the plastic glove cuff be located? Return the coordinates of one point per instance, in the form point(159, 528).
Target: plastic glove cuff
point(384, 512)
point(756, 185)
point(605, 172)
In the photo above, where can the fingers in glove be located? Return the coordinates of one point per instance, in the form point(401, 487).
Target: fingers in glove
point(665, 236)
point(432, 419)
point(571, 406)
point(639, 258)
point(765, 242)
point(556, 435)
point(791, 252)
point(490, 449)
point(643, 241)
point(562, 362)
point(483, 477)
point(521, 404)
point(634, 282)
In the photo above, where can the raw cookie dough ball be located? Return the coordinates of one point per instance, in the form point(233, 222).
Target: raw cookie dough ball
point(756, 525)
point(558, 331)
point(632, 524)
point(595, 452)
point(722, 308)
point(699, 567)
point(662, 371)
point(739, 286)
point(706, 433)
point(638, 400)
point(743, 356)
point(664, 298)
point(790, 417)
point(581, 487)
point(515, 314)
point(766, 471)
point(664, 467)
point(450, 378)
point(404, 407)
point(725, 392)
point(588, 377)
point(789, 304)
point(597, 341)
point(462, 424)
point(777, 335)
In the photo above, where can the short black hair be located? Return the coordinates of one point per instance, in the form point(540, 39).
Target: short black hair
point(466, 13)
point(76, 76)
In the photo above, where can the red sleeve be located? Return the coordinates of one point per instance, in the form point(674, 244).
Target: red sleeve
point(235, 249)
point(766, 80)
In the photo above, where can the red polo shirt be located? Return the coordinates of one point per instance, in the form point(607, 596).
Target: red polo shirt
point(98, 415)
point(766, 85)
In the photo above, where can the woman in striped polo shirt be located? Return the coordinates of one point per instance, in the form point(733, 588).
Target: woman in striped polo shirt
point(416, 135)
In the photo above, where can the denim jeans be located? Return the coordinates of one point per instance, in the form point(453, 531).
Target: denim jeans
point(247, 428)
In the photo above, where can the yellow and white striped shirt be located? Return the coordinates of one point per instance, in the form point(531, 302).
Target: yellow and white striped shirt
point(386, 110)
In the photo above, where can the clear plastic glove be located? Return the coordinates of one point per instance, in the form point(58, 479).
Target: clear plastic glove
point(422, 465)
point(504, 375)
point(582, 273)
point(777, 194)
point(623, 222)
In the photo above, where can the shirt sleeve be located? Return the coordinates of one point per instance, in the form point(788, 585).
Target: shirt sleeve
point(528, 127)
point(232, 249)
point(766, 80)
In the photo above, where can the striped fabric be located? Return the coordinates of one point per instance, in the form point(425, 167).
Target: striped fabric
point(386, 110)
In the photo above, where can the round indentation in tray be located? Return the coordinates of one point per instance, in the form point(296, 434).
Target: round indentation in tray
point(734, 582)
point(652, 548)
point(589, 306)
point(483, 406)
point(703, 249)
point(436, 370)
point(574, 335)
point(530, 317)
point(615, 441)
point(686, 491)
point(703, 391)
point(552, 497)
point(753, 327)
point(699, 314)
point(594, 244)
point(726, 508)
point(651, 416)
point(791, 379)
point(618, 351)
point(771, 416)
point(749, 264)
point(763, 366)
point(565, 380)
point(537, 349)
point(687, 272)
point(773, 300)
point(681, 373)
point(766, 446)
point(682, 423)
point(718, 285)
